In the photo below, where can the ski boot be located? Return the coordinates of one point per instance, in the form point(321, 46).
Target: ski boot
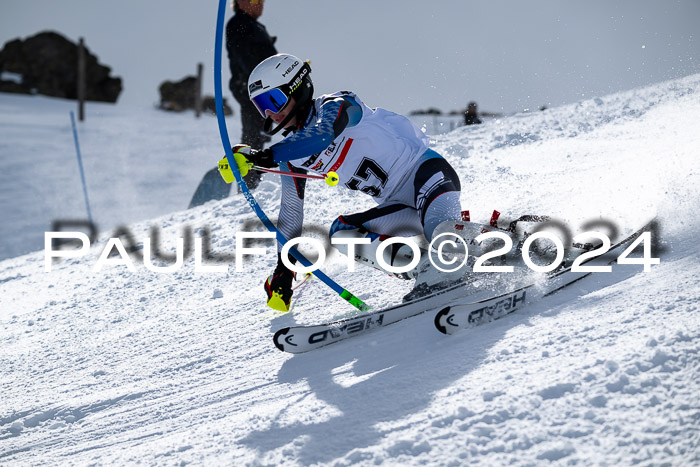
point(278, 288)
point(430, 279)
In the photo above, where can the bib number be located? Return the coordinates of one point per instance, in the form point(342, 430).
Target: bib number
point(366, 176)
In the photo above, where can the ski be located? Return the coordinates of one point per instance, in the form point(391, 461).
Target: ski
point(303, 338)
point(452, 318)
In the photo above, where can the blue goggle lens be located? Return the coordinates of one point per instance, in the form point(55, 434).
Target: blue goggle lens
point(273, 100)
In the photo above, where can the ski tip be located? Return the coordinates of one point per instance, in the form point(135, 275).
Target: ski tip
point(278, 337)
point(438, 318)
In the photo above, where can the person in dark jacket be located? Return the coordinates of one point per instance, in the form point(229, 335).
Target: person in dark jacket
point(471, 116)
point(248, 44)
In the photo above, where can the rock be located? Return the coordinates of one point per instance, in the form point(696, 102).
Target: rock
point(179, 96)
point(47, 64)
point(209, 105)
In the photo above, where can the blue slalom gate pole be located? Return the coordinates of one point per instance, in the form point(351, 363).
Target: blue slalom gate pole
point(345, 294)
point(80, 164)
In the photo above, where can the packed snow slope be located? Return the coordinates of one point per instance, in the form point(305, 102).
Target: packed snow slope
point(116, 367)
point(139, 163)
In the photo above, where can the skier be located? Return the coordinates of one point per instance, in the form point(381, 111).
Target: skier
point(372, 150)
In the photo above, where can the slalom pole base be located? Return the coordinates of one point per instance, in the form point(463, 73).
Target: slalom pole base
point(354, 301)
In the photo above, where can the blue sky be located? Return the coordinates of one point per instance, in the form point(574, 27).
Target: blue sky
point(507, 55)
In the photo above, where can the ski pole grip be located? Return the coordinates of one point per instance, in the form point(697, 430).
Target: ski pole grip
point(225, 171)
point(354, 301)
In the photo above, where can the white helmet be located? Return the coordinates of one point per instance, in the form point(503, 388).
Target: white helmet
point(274, 81)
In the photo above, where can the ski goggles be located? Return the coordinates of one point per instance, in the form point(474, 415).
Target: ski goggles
point(273, 100)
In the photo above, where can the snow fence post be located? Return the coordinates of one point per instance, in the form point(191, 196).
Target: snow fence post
point(80, 165)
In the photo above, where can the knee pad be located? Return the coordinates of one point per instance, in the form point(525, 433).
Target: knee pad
point(397, 254)
point(445, 207)
point(340, 224)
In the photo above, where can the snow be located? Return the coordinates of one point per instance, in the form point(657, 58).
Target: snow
point(139, 163)
point(114, 367)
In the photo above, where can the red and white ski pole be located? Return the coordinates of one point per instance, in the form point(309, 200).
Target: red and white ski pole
point(331, 178)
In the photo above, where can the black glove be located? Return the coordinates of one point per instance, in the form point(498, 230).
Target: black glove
point(262, 158)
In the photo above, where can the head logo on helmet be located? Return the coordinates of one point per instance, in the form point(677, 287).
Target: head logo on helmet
point(274, 81)
point(299, 79)
point(289, 70)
